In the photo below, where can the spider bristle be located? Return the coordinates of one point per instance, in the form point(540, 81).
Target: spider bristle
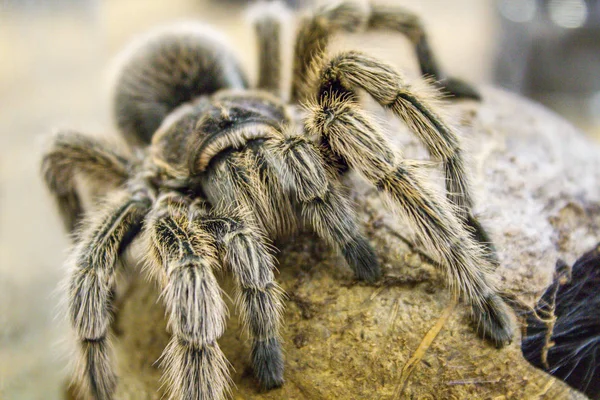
point(94, 373)
point(195, 372)
point(267, 359)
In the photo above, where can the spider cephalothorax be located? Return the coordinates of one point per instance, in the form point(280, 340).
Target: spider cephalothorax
point(220, 167)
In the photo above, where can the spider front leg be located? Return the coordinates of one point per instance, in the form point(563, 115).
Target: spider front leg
point(322, 204)
point(316, 30)
point(265, 176)
point(72, 154)
point(243, 179)
point(92, 285)
point(351, 70)
point(182, 259)
point(359, 141)
point(244, 252)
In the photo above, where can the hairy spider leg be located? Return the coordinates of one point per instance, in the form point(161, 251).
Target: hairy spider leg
point(241, 179)
point(270, 21)
point(316, 30)
point(360, 142)
point(387, 17)
point(299, 165)
point(243, 250)
point(349, 71)
point(167, 70)
point(92, 285)
point(258, 178)
point(70, 154)
point(183, 258)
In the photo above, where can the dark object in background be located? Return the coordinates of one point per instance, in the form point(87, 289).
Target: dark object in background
point(566, 340)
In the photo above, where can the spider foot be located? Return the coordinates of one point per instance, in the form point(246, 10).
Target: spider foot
point(493, 321)
point(96, 370)
point(360, 256)
point(267, 360)
point(479, 234)
point(459, 89)
point(195, 371)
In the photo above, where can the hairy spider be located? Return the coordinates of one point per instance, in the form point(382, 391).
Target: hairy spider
point(219, 167)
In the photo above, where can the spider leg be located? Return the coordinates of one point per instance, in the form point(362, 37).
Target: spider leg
point(182, 259)
point(72, 153)
point(395, 18)
point(243, 180)
point(352, 70)
point(316, 30)
point(270, 21)
point(322, 204)
point(353, 136)
point(92, 284)
point(244, 251)
point(254, 179)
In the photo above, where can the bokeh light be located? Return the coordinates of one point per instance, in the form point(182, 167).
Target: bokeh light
point(518, 10)
point(568, 14)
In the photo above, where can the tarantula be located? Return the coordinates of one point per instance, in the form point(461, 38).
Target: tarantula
point(217, 169)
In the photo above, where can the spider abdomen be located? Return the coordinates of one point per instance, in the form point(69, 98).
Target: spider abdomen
point(169, 69)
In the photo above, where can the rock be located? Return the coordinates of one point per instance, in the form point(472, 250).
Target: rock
point(537, 183)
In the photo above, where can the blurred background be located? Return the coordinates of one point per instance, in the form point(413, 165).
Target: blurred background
point(55, 62)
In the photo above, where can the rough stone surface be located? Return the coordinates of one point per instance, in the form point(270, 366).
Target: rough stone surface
point(536, 179)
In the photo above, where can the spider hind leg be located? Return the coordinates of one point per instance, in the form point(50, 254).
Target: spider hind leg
point(270, 21)
point(385, 17)
point(316, 31)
